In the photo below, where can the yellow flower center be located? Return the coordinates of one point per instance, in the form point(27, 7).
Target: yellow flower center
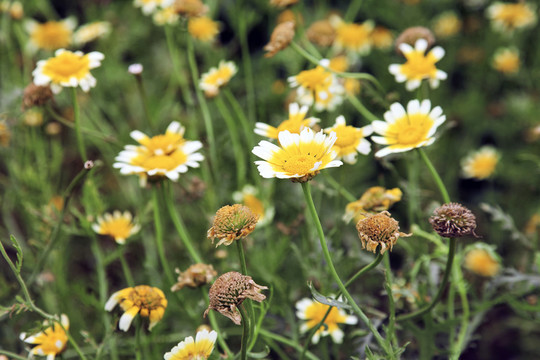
point(51, 35)
point(410, 130)
point(347, 136)
point(314, 79)
point(163, 144)
point(507, 62)
point(254, 204)
point(118, 228)
point(199, 350)
point(483, 165)
point(315, 313)
point(353, 36)
point(515, 15)
point(480, 261)
point(143, 297)
point(219, 77)
point(419, 66)
point(339, 64)
point(298, 164)
point(165, 162)
point(50, 338)
point(67, 65)
point(203, 28)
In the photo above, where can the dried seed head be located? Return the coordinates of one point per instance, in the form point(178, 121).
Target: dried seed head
point(305, 178)
point(281, 38)
point(229, 291)
point(379, 229)
point(189, 8)
point(453, 220)
point(410, 35)
point(232, 223)
point(321, 33)
point(195, 276)
point(282, 3)
point(35, 95)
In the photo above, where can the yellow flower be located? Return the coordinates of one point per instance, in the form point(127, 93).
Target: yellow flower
point(300, 157)
point(507, 17)
point(166, 155)
point(51, 341)
point(404, 130)
point(318, 87)
point(373, 201)
point(119, 226)
point(447, 24)
point(198, 349)
point(166, 16)
point(249, 197)
point(203, 28)
point(50, 35)
point(147, 301)
point(382, 38)
point(482, 260)
point(150, 6)
point(352, 37)
point(91, 32)
point(14, 8)
point(294, 124)
point(418, 66)
point(506, 60)
point(480, 164)
point(312, 313)
point(217, 77)
point(350, 140)
point(67, 69)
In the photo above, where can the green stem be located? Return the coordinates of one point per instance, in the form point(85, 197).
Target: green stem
point(238, 149)
point(352, 10)
point(361, 108)
point(246, 62)
point(186, 94)
point(460, 343)
point(391, 305)
point(286, 341)
point(333, 272)
point(241, 256)
point(126, 270)
point(12, 355)
point(138, 347)
point(336, 185)
point(250, 319)
point(76, 116)
point(159, 234)
point(435, 175)
point(144, 100)
point(181, 228)
point(245, 332)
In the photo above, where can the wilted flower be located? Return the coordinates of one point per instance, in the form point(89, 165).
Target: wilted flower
point(117, 225)
point(506, 60)
point(482, 260)
point(480, 164)
point(373, 201)
point(379, 229)
point(33, 117)
point(232, 223)
point(453, 220)
point(321, 33)
point(296, 122)
point(35, 95)
point(312, 312)
point(282, 3)
point(50, 35)
point(67, 69)
point(51, 341)
point(404, 130)
point(229, 292)
point(300, 157)
point(419, 66)
point(198, 349)
point(195, 276)
point(216, 77)
point(411, 35)
point(91, 32)
point(350, 140)
point(190, 7)
point(280, 39)
point(507, 17)
point(147, 301)
point(203, 28)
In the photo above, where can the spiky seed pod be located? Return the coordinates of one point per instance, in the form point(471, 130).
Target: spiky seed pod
point(379, 229)
point(229, 291)
point(232, 223)
point(453, 220)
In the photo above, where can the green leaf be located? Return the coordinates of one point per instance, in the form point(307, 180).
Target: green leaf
point(17, 247)
point(327, 300)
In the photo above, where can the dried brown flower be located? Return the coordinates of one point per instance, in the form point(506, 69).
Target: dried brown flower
point(453, 220)
point(282, 3)
point(321, 33)
point(232, 223)
point(229, 291)
point(410, 35)
point(280, 39)
point(190, 8)
point(379, 229)
point(195, 276)
point(35, 95)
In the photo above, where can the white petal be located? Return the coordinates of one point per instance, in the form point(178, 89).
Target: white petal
point(437, 52)
point(425, 106)
point(398, 111)
point(413, 107)
point(421, 45)
point(413, 84)
point(125, 321)
point(379, 127)
point(394, 69)
point(405, 48)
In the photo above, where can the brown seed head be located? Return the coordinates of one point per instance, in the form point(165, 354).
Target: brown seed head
point(321, 33)
point(282, 3)
point(35, 95)
point(229, 291)
point(190, 8)
point(281, 38)
point(195, 276)
point(379, 229)
point(410, 35)
point(232, 223)
point(453, 220)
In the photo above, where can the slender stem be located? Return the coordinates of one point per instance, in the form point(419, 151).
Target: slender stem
point(241, 256)
point(238, 149)
point(176, 66)
point(352, 10)
point(286, 341)
point(333, 272)
point(126, 270)
point(336, 185)
point(144, 100)
point(245, 332)
point(76, 116)
point(159, 234)
point(391, 305)
point(138, 347)
point(460, 284)
point(181, 228)
point(361, 108)
point(246, 62)
point(435, 175)
point(250, 319)
point(12, 355)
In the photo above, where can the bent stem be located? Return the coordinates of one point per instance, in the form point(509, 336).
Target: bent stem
point(313, 212)
point(76, 117)
point(361, 108)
